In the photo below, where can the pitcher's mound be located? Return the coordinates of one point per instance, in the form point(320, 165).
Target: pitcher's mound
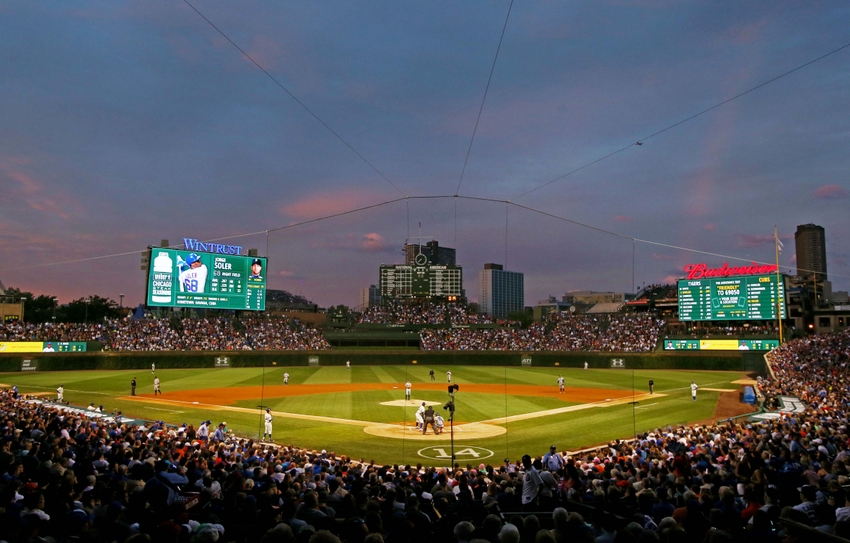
point(475, 430)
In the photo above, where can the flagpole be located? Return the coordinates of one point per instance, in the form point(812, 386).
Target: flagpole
point(778, 284)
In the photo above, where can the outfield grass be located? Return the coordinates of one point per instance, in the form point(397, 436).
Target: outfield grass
point(573, 430)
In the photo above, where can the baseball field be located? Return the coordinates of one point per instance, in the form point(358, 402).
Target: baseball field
point(362, 412)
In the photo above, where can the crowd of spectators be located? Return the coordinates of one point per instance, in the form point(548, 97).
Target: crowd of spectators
point(163, 334)
point(422, 313)
point(627, 332)
point(67, 477)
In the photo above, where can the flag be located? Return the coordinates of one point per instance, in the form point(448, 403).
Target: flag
point(779, 244)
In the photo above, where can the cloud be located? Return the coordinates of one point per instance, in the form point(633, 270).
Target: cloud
point(24, 187)
point(288, 274)
point(374, 243)
point(622, 218)
point(746, 240)
point(831, 192)
point(658, 256)
point(367, 243)
point(322, 204)
point(710, 226)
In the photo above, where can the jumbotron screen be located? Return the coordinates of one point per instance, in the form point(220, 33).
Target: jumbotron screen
point(746, 297)
point(181, 278)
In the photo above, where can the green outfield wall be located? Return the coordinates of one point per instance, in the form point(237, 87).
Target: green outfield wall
point(733, 360)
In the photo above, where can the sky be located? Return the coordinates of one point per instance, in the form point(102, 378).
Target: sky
point(347, 125)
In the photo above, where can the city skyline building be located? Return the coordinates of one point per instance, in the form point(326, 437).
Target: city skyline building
point(501, 292)
point(810, 242)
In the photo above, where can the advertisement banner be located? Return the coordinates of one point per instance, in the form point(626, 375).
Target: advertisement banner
point(42, 347)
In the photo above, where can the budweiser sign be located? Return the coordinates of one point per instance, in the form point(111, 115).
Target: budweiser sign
point(699, 271)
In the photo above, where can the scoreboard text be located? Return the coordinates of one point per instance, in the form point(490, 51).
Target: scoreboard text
point(754, 297)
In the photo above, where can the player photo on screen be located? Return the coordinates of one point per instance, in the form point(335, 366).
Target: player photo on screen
point(192, 273)
point(256, 270)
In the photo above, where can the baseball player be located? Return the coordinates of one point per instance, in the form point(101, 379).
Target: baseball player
point(585, 364)
point(348, 364)
point(286, 378)
point(439, 424)
point(256, 269)
point(694, 388)
point(420, 416)
point(651, 386)
point(268, 419)
point(407, 386)
point(431, 373)
point(561, 383)
point(60, 394)
point(156, 389)
point(153, 367)
point(449, 376)
point(193, 274)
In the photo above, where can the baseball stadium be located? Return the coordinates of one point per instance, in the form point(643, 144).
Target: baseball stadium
point(324, 272)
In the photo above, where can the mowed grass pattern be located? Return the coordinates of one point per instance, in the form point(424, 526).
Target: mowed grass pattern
point(571, 431)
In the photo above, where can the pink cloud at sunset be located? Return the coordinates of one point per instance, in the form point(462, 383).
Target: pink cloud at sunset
point(831, 192)
point(322, 204)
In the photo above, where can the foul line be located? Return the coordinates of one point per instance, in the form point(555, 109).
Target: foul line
point(568, 409)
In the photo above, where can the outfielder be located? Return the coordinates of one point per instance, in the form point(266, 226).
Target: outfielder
point(407, 386)
point(156, 389)
point(268, 431)
point(193, 274)
point(60, 394)
point(286, 378)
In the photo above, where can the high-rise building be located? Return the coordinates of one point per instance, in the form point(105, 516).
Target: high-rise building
point(369, 297)
point(810, 242)
point(501, 292)
point(437, 256)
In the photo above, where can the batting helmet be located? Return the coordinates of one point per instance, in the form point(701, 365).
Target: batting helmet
point(192, 258)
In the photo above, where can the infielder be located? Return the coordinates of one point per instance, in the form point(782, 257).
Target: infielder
point(60, 394)
point(156, 389)
point(193, 274)
point(268, 431)
point(286, 378)
point(420, 417)
point(407, 386)
point(561, 383)
point(694, 388)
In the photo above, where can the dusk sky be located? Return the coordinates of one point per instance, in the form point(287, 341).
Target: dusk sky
point(125, 123)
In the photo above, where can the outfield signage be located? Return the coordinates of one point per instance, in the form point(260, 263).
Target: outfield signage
point(191, 244)
point(720, 344)
point(700, 271)
point(313, 361)
point(618, 363)
point(526, 361)
point(42, 347)
point(222, 362)
point(29, 365)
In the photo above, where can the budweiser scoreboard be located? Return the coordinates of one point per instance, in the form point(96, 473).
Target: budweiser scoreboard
point(722, 294)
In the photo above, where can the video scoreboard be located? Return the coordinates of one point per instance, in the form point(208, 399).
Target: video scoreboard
point(747, 297)
point(185, 278)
